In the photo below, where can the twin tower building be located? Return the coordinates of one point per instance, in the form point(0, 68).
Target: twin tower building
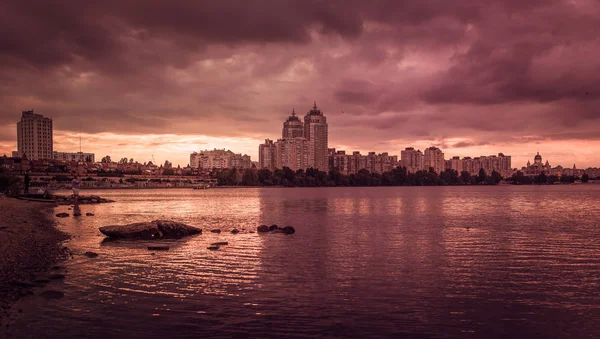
point(303, 144)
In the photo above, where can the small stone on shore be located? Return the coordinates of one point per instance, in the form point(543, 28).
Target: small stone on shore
point(62, 215)
point(222, 243)
point(213, 248)
point(215, 231)
point(90, 254)
point(235, 231)
point(88, 214)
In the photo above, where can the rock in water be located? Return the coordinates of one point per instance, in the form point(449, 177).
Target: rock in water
point(156, 229)
point(213, 248)
point(222, 243)
point(215, 231)
point(235, 231)
point(90, 254)
point(289, 230)
point(89, 214)
point(273, 228)
point(62, 215)
point(262, 228)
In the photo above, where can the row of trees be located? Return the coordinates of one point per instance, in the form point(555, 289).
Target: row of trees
point(313, 178)
point(542, 179)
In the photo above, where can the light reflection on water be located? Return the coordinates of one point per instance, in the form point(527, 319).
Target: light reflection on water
point(373, 262)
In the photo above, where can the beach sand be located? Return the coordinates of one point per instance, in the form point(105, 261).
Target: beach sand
point(29, 246)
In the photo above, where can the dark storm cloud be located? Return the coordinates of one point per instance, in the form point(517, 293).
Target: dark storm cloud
point(480, 70)
point(462, 144)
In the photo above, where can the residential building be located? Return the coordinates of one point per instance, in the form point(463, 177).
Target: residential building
point(292, 153)
point(434, 158)
point(351, 164)
point(412, 159)
point(357, 162)
point(315, 131)
point(219, 158)
point(34, 136)
point(456, 163)
point(500, 163)
point(74, 156)
point(267, 155)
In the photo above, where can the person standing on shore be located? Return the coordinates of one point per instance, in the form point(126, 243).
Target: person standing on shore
point(27, 180)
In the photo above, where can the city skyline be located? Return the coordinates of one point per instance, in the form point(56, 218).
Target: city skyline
point(405, 74)
point(292, 128)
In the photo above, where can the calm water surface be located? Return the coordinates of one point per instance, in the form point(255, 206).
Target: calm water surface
point(434, 262)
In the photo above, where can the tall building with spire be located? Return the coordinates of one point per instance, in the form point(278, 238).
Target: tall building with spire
point(293, 127)
point(34, 136)
point(315, 131)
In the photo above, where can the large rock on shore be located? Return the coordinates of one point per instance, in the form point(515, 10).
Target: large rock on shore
point(157, 229)
point(82, 200)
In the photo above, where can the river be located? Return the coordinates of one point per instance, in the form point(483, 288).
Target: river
point(419, 262)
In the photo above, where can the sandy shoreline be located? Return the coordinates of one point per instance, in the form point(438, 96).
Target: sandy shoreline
point(29, 246)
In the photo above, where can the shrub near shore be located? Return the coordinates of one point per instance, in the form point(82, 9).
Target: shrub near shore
point(9, 184)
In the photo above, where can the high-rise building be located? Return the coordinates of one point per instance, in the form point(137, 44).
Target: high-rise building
point(315, 131)
point(219, 158)
point(351, 164)
point(293, 127)
point(500, 163)
point(267, 155)
point(34, 136)
point(292, 153)
point(412, 159)
point(434, 158)
point(456, 163)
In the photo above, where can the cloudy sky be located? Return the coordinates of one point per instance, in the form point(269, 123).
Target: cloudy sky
point(155, 78)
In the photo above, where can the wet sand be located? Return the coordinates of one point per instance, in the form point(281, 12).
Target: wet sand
point(30, 246)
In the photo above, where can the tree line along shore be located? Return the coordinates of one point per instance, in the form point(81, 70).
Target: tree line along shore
point(286, 177)
point(396, 177)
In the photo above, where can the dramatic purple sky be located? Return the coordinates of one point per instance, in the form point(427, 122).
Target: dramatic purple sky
point(167, 78)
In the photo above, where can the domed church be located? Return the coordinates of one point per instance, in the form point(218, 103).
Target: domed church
point(537, 167)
